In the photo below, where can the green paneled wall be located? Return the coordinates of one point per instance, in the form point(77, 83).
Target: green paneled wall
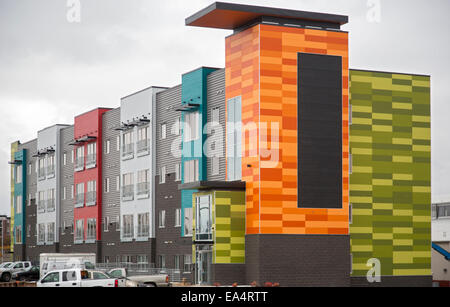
point(390, 183)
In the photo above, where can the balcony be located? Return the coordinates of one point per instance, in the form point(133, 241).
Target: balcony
point(91, 198)
point(50, 171)
point(79, 200)
point(79, 164)
point(143, 232)
point(128, 192)
point(143, 147)
point(41, 206)
point(143, 190)
point(41, 173)
point(91, 161)
point(128, 151)
point(51, 205)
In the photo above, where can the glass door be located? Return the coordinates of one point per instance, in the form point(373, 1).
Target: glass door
point(204, 261)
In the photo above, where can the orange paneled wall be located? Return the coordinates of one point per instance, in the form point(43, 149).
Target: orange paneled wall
point(261, 65)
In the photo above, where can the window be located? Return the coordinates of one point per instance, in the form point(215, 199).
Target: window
point(143, 142)
point(41, 172)
point(51, 196)
point(117, 223)
point(142, 261)
point(128, 144)
point(72, 191)
point(177, 217)
point(234, 168)
point(203, 223)
point(215, 115)
point(28, 231)
point(143, 225)
point(41, 233)
point(91, 196)
point(29, 199)
point(162, 218)
point(177, 126)
point(91, 155)
point(80, 195)
point(41, 202)
point(118, 183)
point(51, 232)
point(143, 184)
point(19, 235)
point(187, 263)
point(80, 158)
point(191, 171)
point(215, 166)
point(50, 165)
point(162, 261)
point(118, 143)
point(64, 158)
point(178, 172)
point(434, 211)
point(350, 207)
point(30, 167)
point(350, 115)
point(188, 222)
point(107, 146)
point(162, 175)
point(163, 134)
point(51, 278)
point(191, 126)
point(106, 224)
point(19, 204)
point(19, 174)
point(91, 229)
point(79, 231)
point(128, 186)
point(177, 262)
point(350, 163)
point(128, 228)
point(69, 276)
point(106, 185)
point(72, 157)
point(64, 193)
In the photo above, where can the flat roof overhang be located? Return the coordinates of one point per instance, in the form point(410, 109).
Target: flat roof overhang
point(232, 16)
point(214, 185)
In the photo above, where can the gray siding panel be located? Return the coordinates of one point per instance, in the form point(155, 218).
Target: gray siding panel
point(216, 99)
point(166, 103)
point(111, 166)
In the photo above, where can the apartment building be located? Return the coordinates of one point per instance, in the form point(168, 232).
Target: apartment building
point(5, 239)
point(285, 166)
point(441, 242)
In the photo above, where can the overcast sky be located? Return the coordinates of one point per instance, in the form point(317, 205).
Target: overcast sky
point(52, 70)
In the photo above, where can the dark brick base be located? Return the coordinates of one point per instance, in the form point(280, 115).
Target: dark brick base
point(228, 274)
point(394, 281)
point(298, 260)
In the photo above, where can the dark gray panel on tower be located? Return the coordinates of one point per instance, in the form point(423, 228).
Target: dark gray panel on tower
point(319, 131)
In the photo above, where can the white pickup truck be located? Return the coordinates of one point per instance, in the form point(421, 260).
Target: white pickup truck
point(8, 270)
point(160, 280)
point(75, 278)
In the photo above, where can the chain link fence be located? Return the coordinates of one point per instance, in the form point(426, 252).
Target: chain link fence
point(141, 269)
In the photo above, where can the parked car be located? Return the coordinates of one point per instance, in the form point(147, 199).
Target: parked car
point(123, 282)
point(30, 275)
point(4, 264)
point(160, 280)
point(74, 278)
point(7, 272)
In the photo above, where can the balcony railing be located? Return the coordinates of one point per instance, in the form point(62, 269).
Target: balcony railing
point(79, 238)
point(50, 171)
point(127, 232)
point(91, 160)
point(143, 146)
point(50, 205)
point(41, 173)
point(50, 238)
point(79, 200)
point(143, 231)
point(143, 188)
point(41, 206)
point(91, 237)
point(79, 164)
point(91, 198)
point(128, 192)
point(127, 150)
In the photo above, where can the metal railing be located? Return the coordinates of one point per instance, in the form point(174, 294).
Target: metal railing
point(50, 205)
point(79, 200)
point(143, 145)
point(41, 206)
point(127, 149)
point(91, 197)
point(143, 188)
point(91, 160)
point(128, 191)
point(79, 163)
point(141, 269)
point(50, 170)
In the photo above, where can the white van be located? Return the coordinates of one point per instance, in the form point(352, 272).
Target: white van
point(53, 262)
